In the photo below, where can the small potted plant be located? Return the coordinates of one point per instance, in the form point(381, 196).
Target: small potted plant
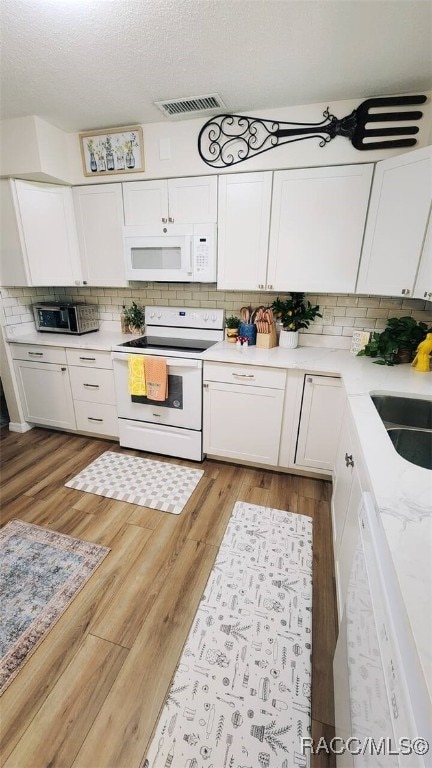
point(232, 325)
point(132, 319)
point(397, 342)
point(294, 313)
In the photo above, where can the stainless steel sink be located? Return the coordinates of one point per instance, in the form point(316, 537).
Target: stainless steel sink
point(414, 445)
point(408, 421)
point(404, 411)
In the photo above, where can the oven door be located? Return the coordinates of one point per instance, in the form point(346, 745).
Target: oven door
point(183, 408)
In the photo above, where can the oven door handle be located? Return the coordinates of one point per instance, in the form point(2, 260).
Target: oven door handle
point(181, 362)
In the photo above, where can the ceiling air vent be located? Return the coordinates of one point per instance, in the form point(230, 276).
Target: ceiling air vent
point(192, 105)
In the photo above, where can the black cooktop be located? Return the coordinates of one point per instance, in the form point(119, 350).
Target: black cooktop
point(180, 345)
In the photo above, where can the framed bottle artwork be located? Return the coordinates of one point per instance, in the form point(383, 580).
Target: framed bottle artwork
point(112, 150)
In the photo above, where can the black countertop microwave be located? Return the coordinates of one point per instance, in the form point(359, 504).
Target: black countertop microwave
point(57, 317)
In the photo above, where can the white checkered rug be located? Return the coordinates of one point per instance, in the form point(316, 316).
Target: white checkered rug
point(156, 484)
point(241, 696)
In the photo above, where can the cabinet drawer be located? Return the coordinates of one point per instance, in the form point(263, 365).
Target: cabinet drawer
point(96, 417)
point(90, 358)
point(249, 375)
point(39, 353)
point(93, 386)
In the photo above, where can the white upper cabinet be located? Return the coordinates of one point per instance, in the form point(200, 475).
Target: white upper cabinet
point(243, 231)
point(46, 225)
point(423, 283)
point(317, 224)
point(99, 219)
point(193, 200)
point(395, 230)
point(170, 201)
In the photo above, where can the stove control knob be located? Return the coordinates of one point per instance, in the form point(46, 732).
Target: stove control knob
point(205, 317)
point(152, 314)
point(159, 315)
point(213, 318)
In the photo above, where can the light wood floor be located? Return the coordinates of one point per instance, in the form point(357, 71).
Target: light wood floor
point(89, 697)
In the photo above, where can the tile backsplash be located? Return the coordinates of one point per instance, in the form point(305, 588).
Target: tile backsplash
point(342, 314)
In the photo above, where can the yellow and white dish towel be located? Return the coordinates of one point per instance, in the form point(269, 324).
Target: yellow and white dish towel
point(156, 375)
point(136, 376)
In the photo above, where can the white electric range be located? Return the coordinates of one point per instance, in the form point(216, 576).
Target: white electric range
point(172, 427)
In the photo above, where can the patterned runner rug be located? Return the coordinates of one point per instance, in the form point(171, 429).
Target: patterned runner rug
point(156, 484)
point(42, 572)
point(241, 695)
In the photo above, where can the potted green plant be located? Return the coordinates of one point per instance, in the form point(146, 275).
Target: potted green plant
point(397, 342)
point(132, 318)
point(231, 328)
point(294, 313)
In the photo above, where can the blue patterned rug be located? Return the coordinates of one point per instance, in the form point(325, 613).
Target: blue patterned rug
point(41, 572)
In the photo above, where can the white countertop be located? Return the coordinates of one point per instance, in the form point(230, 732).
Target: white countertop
point(103, 340)
point(402, 491)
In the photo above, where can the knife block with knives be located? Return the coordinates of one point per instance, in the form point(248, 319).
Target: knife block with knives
point(266, 329)
point(267, 340)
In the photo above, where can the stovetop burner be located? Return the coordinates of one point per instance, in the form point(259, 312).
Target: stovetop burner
point(175, 345)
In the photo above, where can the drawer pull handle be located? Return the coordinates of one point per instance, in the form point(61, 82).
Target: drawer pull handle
point(92, 386)
point(92, 418)
point(37, 354)
point(244, 375)
point(349, 461)
point(156, 414)
point(64, 369)
point(92, 359)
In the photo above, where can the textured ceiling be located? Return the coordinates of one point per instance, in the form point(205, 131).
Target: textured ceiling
point(88, 64)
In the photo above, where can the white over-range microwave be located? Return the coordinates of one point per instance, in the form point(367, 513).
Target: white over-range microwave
point(183, 253)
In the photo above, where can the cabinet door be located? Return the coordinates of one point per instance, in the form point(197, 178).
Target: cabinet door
point(398, 213)
point(99, 217)
point(145, 203)
point(423, 284)
point(317, 225)
point(46, 395)
point(244, 219)
point(242, 422)
point(349, 476)
point(342, 481)
point(348, 543)
point(13, 264)
point(320, 422)
point(49, 233)
point(192, 200)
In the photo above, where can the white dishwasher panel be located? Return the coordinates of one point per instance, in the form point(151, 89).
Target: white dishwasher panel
point(380, 692)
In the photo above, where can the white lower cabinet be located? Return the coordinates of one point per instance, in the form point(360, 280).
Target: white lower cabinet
point(92, 381)
point(311, 423)
point(320, 422)
point(243, 408)
point(96, 418)
point(349, 480)
point(45, 393)
point(63, 388)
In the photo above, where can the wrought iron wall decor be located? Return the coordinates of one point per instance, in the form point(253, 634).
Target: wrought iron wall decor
point(226, 140)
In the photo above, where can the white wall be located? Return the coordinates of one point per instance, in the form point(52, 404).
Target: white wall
point(31, 146)
point(19, 148)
